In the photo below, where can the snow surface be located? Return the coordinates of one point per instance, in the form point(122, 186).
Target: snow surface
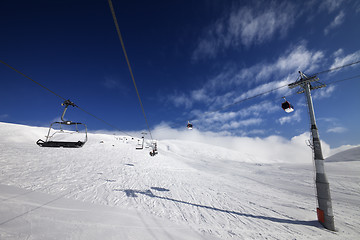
point(190, 190)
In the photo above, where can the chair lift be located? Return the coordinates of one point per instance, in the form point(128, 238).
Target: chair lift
point(140, 146)
point(287, 106)
point(189, 126)
point(51, 141)
point(154, 151)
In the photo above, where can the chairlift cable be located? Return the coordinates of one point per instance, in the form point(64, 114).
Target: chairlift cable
point(63, 98)
point(217, 110)
point(33, 80)
point(128, 62)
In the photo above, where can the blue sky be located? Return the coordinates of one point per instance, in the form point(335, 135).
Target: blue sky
point(189, 59)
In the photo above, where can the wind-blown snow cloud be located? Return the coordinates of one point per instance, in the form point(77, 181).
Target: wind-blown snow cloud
point(339, 19)
point(246, 26)
point(269, 149)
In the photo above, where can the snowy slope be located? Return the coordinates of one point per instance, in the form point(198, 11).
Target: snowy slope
point(215, 191)
point(27, 214)
point(352, 154)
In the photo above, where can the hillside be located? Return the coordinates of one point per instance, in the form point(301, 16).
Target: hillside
point(190, 190)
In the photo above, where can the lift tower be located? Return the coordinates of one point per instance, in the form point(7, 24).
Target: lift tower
point(324, 210)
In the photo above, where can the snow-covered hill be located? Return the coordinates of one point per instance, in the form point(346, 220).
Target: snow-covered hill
point(192, 189)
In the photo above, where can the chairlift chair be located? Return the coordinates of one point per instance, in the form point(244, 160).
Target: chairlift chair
point(154, 149)
point(51, 138)
point(287, 106)
point(140, 146)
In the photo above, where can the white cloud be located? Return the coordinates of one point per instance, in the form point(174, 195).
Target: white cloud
point(188, 100)
point(299, 58)
point(256, 132)
point(269, 149)
point(330, 5)
point(246, 26)
point(230, 87)
point(339, 52)
point(336, 130)
point(199, 95)
point(338, 20)
point(328, 119)
point(181, 100)
point(227, 87)
point(323, 92)
point(258, 109)
point(241, 123)
point(234, 118)
point(341, 60)
point(292, 117)
point(233, 121)
point(214, 120)
point(259, 90)
point(285, 67)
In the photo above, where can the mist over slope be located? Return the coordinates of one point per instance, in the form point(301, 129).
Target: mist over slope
point(217, 186)
point(269, 149)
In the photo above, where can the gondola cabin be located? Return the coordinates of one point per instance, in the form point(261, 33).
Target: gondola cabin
point(189, 126)
point(287, 107)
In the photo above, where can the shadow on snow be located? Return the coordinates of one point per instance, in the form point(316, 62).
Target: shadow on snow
point(149, 193)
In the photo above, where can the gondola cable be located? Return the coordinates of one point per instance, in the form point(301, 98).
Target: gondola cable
point(272, 90)
point(217, 110)
point(275, 89)
point(264, 93)
point(337, 68)
point(342, 80)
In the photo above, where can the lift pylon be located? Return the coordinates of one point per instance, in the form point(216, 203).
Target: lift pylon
point(324, 210)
